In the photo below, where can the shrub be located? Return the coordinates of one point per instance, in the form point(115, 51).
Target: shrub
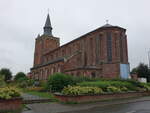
point(145, 86)
point(134, 82)
point(9, 92)
point(104, 84)
point(77, 90)
point(113, 89)
point(25, 82)
point(58, 81)
point(124, 89)
point(43, 84)
point(30, 82)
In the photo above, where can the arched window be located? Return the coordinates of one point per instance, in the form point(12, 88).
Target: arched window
point(91, 50)
point(101, 45)
point(109, 47)
point(115, 40)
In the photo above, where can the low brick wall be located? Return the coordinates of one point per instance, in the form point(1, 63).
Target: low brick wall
point(10, 104)
point(92, 98)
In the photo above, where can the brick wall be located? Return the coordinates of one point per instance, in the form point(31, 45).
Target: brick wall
point(100, 97)
point(102, 54)
point(10, 104)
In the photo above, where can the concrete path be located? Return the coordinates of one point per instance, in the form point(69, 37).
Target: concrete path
point(63, 108)
point(31, 97)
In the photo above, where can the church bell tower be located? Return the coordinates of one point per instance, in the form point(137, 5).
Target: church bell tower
point(45, 43)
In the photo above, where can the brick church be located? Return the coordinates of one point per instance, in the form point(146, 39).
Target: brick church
point(100, 53)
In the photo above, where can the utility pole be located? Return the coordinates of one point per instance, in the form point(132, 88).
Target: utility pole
point(149, 59)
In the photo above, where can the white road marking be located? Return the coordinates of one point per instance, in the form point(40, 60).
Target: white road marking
point(131, 112)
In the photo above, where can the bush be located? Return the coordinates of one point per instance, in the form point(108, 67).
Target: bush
point(58, 81)
point(30, 82)
point(145, 86)
point(43, 84)
point(124, 89)
point(113, 89)
point(77, 90)
point(25, 82)
point(9, 92)
point(104, 84)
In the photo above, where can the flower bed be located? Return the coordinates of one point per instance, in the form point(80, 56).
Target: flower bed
point(98, 97)
point(78, 94)
point(10, 99)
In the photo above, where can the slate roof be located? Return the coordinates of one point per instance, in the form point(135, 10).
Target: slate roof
point(48, 27)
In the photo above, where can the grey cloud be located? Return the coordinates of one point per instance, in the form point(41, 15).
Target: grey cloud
point(22, 20)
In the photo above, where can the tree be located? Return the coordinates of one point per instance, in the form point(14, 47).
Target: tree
point(20, 75)
point(142, 70)
point(6, 73)
point(134, 71)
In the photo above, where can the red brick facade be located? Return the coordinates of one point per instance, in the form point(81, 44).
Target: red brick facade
point(98, 53)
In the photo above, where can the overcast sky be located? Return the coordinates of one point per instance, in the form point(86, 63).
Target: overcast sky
point(22, 20)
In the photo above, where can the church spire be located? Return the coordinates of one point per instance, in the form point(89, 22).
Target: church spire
point(48, 27)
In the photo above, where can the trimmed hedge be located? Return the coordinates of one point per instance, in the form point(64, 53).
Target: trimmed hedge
point(77, 90)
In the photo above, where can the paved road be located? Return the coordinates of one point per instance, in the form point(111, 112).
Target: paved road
point(135, 105)
point(138, 107)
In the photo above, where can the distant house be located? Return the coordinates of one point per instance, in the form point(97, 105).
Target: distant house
point(140, 79)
